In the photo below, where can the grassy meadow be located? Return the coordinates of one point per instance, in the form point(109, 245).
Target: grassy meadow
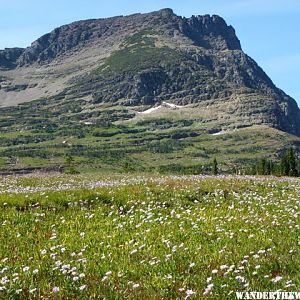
point(147, 237)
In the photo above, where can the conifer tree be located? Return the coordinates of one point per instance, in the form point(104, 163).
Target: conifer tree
point(292, 162)
point(215, 167)
point(288, 163)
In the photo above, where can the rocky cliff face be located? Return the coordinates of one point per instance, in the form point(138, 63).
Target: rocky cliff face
point(142, 60)
point(210, 32)
point(9, 57)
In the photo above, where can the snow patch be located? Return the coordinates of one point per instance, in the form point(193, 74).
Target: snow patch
point(164, 104)
point(150, 110)
point(172, 105)
point(232, 130)
point(220, 132)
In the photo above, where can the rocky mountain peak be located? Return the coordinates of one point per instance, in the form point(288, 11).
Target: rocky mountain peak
point(166, 12)
point(144, 60)
point(210, 32)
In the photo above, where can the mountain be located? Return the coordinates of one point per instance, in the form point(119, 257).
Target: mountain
point(138, 70)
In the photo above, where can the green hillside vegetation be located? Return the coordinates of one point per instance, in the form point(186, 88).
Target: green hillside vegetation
point(138, 52)
point(169, 144)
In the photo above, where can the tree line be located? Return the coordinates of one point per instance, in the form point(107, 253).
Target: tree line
point(288, 165)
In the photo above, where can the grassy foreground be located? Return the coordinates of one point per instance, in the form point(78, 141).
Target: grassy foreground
point(188, 237)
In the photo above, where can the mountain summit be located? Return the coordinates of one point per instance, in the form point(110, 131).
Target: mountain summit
point(142, 61)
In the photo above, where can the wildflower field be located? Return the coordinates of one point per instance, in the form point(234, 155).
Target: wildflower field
point(151, 237)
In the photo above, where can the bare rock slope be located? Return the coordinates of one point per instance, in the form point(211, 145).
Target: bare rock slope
point(141, 61)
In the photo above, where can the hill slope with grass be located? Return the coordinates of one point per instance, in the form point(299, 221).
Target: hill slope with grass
point(150, 91)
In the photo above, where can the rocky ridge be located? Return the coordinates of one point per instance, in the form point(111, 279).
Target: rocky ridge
point(142, 60)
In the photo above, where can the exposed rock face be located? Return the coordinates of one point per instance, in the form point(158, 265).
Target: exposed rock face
point(145, 59)
point(210, 32)
point(9, 57)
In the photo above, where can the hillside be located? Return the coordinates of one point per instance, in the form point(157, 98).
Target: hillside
point(140, 89)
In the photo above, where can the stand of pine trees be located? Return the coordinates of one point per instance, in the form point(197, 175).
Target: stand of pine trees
point(289, 165)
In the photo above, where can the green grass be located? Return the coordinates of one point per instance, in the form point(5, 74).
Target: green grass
point(138, 53)
point(147, 237)
point(134, 59)
point(149, 146)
